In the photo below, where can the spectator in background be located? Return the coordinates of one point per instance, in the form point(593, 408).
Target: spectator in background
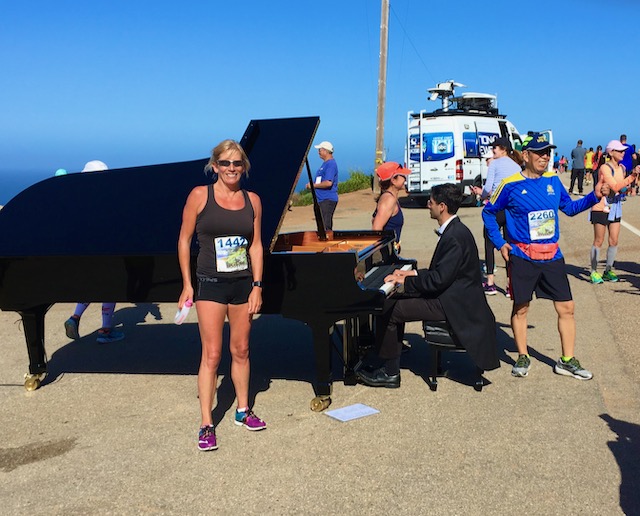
point(607, 214)
point(506, 162)
point(563, 164)
point(596, 163)
point(588, 166)
point(388, 213)
point(326, 183)
point(577, 167)
point(627, 162)
point(106, 334)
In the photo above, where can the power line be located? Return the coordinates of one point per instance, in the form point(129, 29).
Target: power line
point(406, 34)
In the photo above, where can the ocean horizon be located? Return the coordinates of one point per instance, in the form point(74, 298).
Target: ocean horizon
point(13, 182)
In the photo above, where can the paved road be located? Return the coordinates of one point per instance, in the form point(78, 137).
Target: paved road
point(114, 430)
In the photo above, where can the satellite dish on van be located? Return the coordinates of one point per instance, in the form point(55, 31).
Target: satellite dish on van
point(445, 90)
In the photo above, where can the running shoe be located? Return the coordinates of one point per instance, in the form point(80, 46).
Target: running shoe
point(572, 368)
point(71, 328)
point(521, 367)
point(596, 278)
point(610, 276)
point(207, 438)
point(490, 290)
point(108, 336)
point(249, 420)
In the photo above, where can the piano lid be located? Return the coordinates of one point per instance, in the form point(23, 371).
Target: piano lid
point(138, 211)
point(129, 211)
point(277, 150)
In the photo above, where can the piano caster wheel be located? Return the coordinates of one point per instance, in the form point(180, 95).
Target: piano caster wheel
point(33, 381)
point(320, 403)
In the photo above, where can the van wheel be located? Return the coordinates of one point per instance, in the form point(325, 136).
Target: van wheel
point(469, 201)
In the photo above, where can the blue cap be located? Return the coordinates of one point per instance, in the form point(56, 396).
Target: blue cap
point(537, 141)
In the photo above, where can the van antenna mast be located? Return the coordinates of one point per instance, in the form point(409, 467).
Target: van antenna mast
point(445, 91)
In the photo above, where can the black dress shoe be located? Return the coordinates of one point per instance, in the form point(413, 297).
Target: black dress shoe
point(379, 378)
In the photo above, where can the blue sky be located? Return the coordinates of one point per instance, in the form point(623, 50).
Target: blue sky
point(140, 82)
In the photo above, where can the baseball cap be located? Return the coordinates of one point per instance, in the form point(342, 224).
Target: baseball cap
point(502, 142)
point(95, 166)
point(391, 169)
point(616, 145)
point(325, 145)
point(538, 141)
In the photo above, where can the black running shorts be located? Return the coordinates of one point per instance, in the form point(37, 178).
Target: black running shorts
point(547, 279)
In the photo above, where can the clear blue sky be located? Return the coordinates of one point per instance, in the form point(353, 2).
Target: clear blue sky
point(140, 82)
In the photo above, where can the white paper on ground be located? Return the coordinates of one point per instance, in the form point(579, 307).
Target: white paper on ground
point(355, 411)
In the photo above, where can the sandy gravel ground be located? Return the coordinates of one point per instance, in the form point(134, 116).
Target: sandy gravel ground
point(114, 429)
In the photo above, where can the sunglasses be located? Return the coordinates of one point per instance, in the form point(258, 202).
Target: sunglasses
point(226, 163)
point(543, 152)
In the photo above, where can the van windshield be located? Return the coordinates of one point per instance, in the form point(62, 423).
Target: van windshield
point(435, 146)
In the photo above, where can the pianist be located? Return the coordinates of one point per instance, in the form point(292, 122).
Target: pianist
point(227, 221)
point(450, 289)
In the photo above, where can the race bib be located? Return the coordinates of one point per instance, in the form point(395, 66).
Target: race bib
point(542, 224)
point(231, 253)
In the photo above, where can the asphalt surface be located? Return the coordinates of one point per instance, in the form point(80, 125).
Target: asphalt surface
point(113, 430)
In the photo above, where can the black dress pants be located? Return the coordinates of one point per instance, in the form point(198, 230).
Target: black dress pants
point(390, 324)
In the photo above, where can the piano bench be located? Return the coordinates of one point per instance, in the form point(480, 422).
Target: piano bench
point(439, 336)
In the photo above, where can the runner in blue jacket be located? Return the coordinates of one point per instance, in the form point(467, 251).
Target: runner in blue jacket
point(531, 200)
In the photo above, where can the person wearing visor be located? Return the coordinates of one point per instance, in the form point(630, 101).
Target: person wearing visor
point(607, 214)
point(531, 200)
point(388, 214)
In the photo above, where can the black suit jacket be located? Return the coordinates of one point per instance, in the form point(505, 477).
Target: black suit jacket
point(454, 278)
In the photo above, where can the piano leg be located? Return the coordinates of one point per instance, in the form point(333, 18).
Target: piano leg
point(322, 352)
point(33, 321)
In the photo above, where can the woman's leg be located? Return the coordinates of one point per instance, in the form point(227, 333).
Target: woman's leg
point(598, 239)
point(240, 328)
point(80, 308)
point(210, 323)
point(107, 315)
point(612, 250)
point(489, 258)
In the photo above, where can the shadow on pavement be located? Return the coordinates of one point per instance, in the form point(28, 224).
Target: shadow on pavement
point(280, 349)
point(626, 450)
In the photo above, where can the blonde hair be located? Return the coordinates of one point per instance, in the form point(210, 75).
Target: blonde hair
point(220, 149)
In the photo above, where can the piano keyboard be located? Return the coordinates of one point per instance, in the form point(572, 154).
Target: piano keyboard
point(374, 279)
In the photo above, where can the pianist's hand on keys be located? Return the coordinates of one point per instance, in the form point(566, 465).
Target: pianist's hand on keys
point(399, 275)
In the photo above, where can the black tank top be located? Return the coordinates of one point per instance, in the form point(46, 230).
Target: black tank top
point(224, 237)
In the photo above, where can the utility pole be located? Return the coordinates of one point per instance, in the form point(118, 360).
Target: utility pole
point(382, 88)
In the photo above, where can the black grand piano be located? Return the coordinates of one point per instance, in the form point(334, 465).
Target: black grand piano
point(123, 246)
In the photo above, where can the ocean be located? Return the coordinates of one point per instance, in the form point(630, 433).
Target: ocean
point(12, 182)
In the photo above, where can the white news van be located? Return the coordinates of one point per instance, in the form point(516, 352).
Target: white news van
point(451, 144)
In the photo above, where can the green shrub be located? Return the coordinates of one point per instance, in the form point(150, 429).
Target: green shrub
point(358, 180)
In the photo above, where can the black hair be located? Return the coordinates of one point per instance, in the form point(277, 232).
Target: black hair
point(449, 194)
